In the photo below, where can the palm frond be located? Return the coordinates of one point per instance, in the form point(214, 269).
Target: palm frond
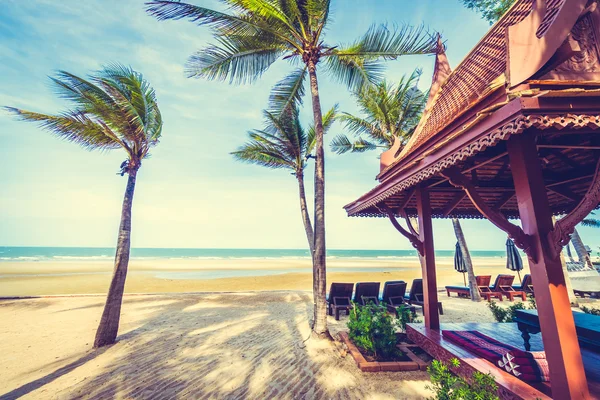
point(73, 127)
point(245, 24)
point(341, 144)
point(359, 126)
point(591, 223)
point(257, 153)
point(381, 42)
point(354, 71)
point(288, 92)
point(241, 58)
point(114, 108)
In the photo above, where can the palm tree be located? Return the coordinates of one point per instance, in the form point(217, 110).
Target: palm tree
point(114, 109)
point(390, 113)
point(284, 144)
point(252, 35)
point(460, 237)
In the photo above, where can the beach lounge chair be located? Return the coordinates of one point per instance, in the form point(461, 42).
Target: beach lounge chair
point(525, 286)
point(339, 298)
point(503, 285)
point(366, 292)
point(483, 283)
point(415, 296)
point(393, 292)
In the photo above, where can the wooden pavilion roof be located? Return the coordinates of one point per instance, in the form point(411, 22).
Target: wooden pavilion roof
point(474, 109)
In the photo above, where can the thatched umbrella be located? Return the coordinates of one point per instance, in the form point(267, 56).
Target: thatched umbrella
point(514, 262)
point(459, 262)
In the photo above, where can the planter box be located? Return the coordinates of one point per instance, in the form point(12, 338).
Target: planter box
point(414, 364)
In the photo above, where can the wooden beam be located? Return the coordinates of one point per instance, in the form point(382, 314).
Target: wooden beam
point(567, 146)
point(416, 242)
point(556, 319)
point(501, 171)
point(503, 200)
point(407, 197)
point(566, 193)
point(561, 156)
point(521, 240)
point(448, 208)
point(561, 235)
point(474, 167)
point(427, 259)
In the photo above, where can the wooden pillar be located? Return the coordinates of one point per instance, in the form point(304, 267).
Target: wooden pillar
point(567, 376)
point(430, 300)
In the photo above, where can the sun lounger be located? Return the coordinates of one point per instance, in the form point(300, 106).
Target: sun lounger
point(339, 298)
point(483, 283)
point(393, 295)
point(526, 286)
point(366, 292)
point(503, 285)
point(415, 296)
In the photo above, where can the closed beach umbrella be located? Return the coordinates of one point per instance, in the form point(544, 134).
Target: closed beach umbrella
point(459, 262)
point(514, 262)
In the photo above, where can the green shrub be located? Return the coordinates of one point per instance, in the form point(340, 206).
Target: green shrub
point(590, 310)
point(448, 386)
point(373, 329)
point(508, 314)
point(405, 316)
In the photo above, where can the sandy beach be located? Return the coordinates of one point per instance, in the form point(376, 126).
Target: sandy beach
point(177, 276)
point(248, 344)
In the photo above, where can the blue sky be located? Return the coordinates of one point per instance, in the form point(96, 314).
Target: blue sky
point(190, 193)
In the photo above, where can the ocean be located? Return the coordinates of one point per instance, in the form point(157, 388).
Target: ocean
point(10, 253)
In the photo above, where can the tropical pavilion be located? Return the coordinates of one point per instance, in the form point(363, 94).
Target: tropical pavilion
point(513, 132)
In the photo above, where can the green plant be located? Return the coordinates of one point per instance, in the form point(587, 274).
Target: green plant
point(373, 329)
point(508, 314)
point(448, 386)
point(590, 310)
point(405, 316)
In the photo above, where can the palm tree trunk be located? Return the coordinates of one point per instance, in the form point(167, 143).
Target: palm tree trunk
point(568, 248)
point(310, 235)
point(319, 250)
point(467, 257)
point(582, 254)
point(109, 323)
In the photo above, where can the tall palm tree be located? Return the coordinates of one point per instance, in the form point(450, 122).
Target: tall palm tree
point(284, 144)
point(114, 109)
point(460, 237)
point(390, 113)
point(252, 35)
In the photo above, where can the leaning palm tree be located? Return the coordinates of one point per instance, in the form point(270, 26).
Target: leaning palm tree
point(114, 109)
point(252, 35)
point(390, 113)
point(284, 144)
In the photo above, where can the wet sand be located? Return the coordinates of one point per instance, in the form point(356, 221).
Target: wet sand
point(160, 276)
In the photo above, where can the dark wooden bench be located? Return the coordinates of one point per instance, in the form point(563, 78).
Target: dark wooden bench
point(586, 325)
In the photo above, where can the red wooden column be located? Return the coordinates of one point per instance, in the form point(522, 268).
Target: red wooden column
point(567, 376)
point(430, 306)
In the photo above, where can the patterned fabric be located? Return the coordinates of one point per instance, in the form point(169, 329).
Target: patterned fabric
point(525, 365)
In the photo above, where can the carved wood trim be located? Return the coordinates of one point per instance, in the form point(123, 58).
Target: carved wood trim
point(513, 127)
point(409, 223)
point(521, 239)
point(414, 240)
point(564, 227)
